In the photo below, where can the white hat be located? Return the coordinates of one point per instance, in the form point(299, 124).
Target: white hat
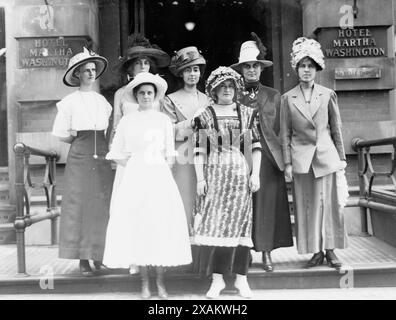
point(304, 47)
point(146, 77)
point(249, 53)
point(79, 59)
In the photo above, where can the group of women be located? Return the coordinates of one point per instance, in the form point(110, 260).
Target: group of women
point(199, 170)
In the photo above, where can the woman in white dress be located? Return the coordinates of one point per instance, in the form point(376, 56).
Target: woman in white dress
point(141, 56)
point(147, 221)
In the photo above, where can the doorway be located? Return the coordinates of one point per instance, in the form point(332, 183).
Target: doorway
point(216, 27)
point(3, 95)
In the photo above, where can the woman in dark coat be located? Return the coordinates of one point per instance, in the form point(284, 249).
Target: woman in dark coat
point(82, 119)
point(271, 216)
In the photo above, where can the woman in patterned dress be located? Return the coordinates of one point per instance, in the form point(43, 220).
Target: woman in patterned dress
point(227, 140)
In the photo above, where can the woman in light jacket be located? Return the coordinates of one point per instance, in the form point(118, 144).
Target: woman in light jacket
point(314, 152)
point(182, 106)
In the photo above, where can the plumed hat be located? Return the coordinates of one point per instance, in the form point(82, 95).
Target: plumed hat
point(140, 46)
point(252, 51)
point(79, 59)
point(145, 77)
point(186, 57)
point(304, 47)
point(220, 75)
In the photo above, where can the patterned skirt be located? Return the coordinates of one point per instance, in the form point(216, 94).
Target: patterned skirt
point(223, 217)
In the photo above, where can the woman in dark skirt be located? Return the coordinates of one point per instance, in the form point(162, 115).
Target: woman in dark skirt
point(271, 216)
point(82, 120)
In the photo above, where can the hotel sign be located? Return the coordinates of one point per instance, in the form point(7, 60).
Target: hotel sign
point(357, 73)
point(48, 52)
point(353, 43)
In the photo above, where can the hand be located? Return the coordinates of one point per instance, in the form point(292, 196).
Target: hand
point(254, 183)
point(73, 133)
point(202, 188)
point(343, 164)
point(289, 172)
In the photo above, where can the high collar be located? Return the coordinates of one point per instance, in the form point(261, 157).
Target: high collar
point(252, 85)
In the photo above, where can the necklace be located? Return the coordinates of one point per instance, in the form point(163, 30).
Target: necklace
point(94, 119)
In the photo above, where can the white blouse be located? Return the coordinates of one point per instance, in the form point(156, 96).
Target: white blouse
point(81, 110)
point(143, 133)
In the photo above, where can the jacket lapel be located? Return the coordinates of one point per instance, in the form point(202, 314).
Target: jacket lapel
point(299, 103)
point(262, 95)
point(316, 101)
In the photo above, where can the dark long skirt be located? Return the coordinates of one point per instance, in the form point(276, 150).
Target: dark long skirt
point(86, 199)
point(271, 215)
point(224, 260)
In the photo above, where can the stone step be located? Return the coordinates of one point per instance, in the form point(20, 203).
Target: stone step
point(379, 275)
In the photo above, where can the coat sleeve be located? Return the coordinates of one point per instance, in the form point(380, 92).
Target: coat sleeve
point(335, 125)
point(285, 129)
point(277, 102)
point(169, 140)
point(182, 127)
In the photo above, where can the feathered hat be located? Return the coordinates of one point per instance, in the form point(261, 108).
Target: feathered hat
point(252, 51)
point(220, 75)
point(304, 47)
point(184, 58)
point(79, 59)
point(140, 46)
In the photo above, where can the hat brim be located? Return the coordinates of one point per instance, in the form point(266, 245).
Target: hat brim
point(71, 81)
point(264, 64)
point(177, 70)
point(161, 58)
point(156, 80)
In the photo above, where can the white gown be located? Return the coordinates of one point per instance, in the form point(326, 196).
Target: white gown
point(147, 223)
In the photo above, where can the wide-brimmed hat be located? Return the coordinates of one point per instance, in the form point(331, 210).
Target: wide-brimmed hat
point(186, 57)
point(140, 46)
point(252, 51)
point(220, 75)
point(145, 77)
point(304, 47)
point(79, 59)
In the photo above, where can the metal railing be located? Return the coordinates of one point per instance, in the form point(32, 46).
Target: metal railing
point(24, 188)
point(367, 175)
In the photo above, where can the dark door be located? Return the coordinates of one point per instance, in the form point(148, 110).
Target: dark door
point(3, 96)
point(216, 27)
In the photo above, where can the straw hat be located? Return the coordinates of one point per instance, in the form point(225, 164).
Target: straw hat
point(79, 59)
point(304, 47)
point(140, 46)
point(220, 75)
point(186, 57)
point(146, 77)
point(252, 51)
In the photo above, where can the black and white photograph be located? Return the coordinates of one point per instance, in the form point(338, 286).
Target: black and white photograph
point(197, 156)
